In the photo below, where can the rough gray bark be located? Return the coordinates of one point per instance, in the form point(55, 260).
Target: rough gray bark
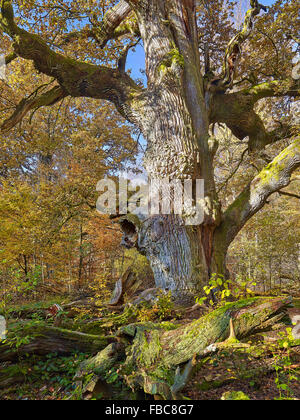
point(174, 120)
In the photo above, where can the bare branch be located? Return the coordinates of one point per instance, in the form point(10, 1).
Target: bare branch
point(117, 22)
point(224, 184)
point(289, 194)
point(85, 33)
point(34, 102)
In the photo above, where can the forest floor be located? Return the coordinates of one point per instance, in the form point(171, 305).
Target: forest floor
point(267, 370)
point(254, 374)
point(262, 372)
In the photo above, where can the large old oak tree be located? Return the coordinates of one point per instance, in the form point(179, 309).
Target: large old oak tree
point(184, 98)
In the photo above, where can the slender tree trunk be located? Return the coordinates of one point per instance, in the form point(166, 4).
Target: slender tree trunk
point(270, 273)
point(80, 265)
point(26, 268)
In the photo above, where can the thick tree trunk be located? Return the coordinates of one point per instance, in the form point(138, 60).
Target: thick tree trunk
point(182, 257)
point(179, 254)
point(176, 255)
point(174, 119)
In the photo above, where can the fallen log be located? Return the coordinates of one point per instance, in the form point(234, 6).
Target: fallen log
point(42, 340)
point(159, 357)
point(153, 361)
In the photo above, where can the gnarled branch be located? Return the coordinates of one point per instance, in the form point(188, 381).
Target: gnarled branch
point(77, 79)
point(117, 22)
point(233, 51)
point(274, 88)
point(271, 179)
point(33, 102)
point(236, 111)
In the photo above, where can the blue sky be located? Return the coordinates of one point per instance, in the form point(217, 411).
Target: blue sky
point(136, 61)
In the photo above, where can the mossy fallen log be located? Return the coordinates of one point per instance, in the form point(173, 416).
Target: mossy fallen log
point(154, 360)
point(43, 339)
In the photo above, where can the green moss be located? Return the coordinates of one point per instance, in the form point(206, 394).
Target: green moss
point(115, 321)
point(208, 385)
point(155, 355)
point(259, 90)
point(172, 58)
point(176, 57)
point(123, 28)
point(128, 330)
point(149, 347)
point(100, 364)
point(131, 329)
point(234, 395)
point(274, 169)
point(164, 373)
point(168, 326)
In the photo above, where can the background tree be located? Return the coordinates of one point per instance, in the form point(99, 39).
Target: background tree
point(49, 168)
